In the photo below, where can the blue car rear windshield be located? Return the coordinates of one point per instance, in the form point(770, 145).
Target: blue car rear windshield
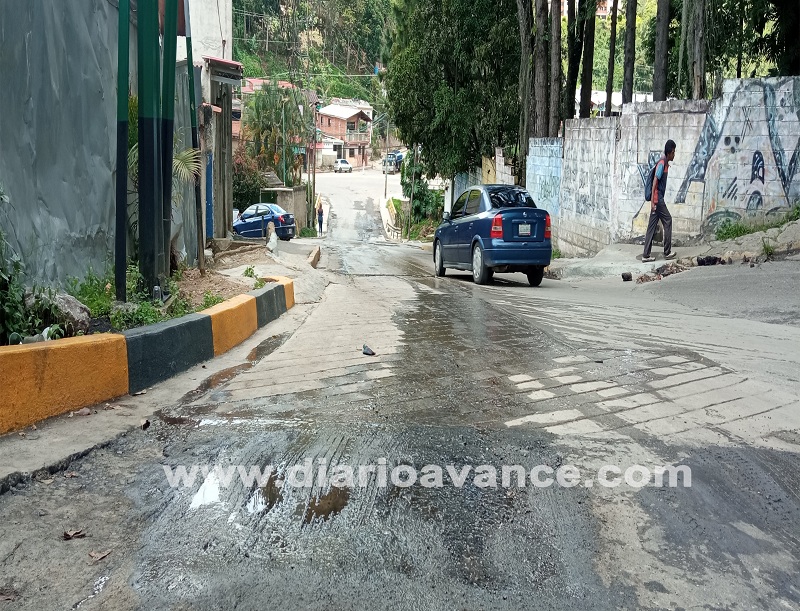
point(511, 198)
point(277, 209)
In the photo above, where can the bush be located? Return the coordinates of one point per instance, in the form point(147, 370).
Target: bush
point(308, 232)
point(210, 300)
point(145, 313)
point(247, 180)
point(95, 292)
point(19, 319)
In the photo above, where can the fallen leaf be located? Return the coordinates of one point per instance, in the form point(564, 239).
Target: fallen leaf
point(74, 534)
point(84, 412)
point(70, 474)
point(108, 406)
point(99, 555)
point(21, 433)
point(141, 392)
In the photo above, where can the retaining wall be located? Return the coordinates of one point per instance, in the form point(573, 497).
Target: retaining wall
point(737, 156)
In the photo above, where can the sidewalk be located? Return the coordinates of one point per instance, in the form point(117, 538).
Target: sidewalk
point(617, 259)
point(56, 442)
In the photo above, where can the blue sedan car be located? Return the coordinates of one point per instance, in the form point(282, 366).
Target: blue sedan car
point(252, 223)
point(494, 228)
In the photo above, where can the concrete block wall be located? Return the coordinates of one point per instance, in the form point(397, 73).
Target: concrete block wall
point(736, 157)
point(586, 183)
point(503, 174)
point(751, 160)
point(543, 176)
point(644, 130)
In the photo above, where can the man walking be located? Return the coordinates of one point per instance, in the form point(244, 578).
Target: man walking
point(658, 208)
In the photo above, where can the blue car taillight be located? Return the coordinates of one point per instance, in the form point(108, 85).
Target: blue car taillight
point(497, 227)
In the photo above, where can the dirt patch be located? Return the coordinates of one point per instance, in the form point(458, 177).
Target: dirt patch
point(194, 286)
point(251, 255)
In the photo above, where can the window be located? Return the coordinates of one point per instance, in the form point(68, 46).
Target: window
point(474, 203)
point(329, 121)
point(351, 125)
point(352, 152)
point(458, 207)
point(511, 198)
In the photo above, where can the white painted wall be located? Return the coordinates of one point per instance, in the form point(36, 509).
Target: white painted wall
point(212, 30)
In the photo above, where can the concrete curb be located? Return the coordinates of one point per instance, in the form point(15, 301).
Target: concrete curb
point(52, 378)
point(313, 258)
point(158, 352)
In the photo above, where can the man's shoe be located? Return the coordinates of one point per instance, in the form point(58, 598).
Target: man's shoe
point(670, 256)
point(648, 259)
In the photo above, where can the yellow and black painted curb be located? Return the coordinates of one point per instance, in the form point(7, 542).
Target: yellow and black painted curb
point(51, 378)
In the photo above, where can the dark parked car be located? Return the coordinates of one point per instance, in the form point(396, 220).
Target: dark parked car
point(494, 228)
point(252, 223)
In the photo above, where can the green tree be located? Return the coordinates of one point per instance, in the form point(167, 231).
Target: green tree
point(452, 80)
point(273, 126)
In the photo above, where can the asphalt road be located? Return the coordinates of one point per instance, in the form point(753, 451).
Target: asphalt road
point(582, 375)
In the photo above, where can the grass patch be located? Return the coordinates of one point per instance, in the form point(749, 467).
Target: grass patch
point(768, 249)
point(249, 272)
point(260, 283)
point(729, 230)
point(308, 232)
point(210, 300)
point(557, 254)
point(96, 292)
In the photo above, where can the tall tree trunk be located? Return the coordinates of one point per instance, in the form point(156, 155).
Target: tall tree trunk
point(630, 51)
point(540, 70)
point(662, 39)
point(682, 43)
point(575, 29)
point(555, 68)
point(524, 12)
point(611, 57)
point(588, 59)
point(699, 65)
point(741, 35)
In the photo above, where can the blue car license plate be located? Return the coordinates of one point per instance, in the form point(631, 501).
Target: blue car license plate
point(524, 229)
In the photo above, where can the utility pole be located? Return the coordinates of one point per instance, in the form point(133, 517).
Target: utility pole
point(168, 128)
point(413, 184)
point(198, 206)
point(149, 152)
point(121, 225)
point(314, 168)
point(283, 139)
point(385, 160)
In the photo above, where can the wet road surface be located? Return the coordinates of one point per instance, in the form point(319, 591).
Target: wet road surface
point(463, 376)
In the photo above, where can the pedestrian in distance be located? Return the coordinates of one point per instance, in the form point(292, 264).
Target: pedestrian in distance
point(319, 218)
point(654, 191)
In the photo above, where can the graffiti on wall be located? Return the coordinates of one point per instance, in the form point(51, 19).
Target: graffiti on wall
point(749, 165)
